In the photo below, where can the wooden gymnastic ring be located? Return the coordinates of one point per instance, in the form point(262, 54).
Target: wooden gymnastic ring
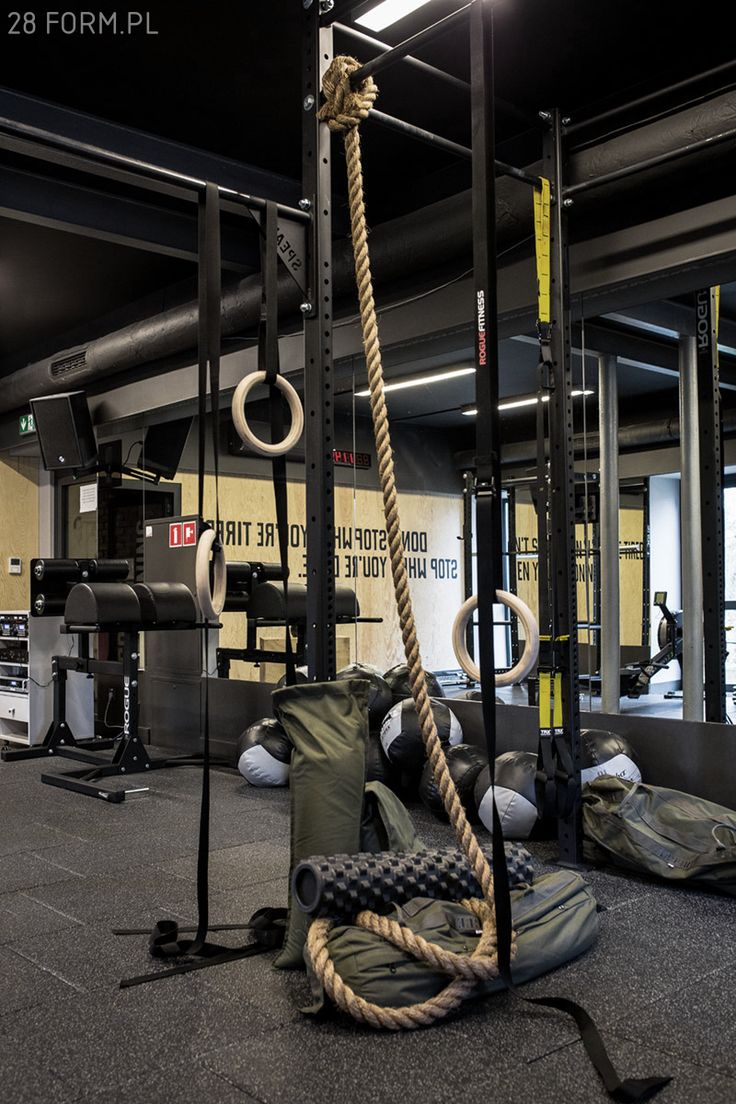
point(267, 448)
point(531, 639)
point(211, 600)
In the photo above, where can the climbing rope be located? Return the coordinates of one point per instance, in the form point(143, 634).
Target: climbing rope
point(343, 111)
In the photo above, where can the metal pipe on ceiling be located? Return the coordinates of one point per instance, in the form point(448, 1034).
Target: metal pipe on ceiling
point(415, 42)
point(421, 242)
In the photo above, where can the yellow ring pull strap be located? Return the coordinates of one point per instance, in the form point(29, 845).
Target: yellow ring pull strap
point(542, 241)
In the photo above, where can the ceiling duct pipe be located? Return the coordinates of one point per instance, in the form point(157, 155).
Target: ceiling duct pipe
point(422, 242)
point(635, 437)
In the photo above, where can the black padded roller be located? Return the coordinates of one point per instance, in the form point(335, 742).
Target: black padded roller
point(342, 885)
point(61, 570)
point(166, 603)
point(102, 604)
point(267, 602)
point(48, 605)
point(108, 571)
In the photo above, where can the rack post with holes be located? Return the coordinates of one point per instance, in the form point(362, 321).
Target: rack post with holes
point(318, 389)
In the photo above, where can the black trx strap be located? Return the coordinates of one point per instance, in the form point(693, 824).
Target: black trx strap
point(268, 362)
point(488, 509)
point(555, 781)
point(267, 924)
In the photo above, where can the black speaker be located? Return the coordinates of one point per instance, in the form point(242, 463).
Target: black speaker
point(65, 431)
point(163, 447)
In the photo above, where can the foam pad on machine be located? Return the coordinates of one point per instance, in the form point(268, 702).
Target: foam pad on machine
point(166, 603)
point(102, 604)
point(267, 602)
point(343, 885)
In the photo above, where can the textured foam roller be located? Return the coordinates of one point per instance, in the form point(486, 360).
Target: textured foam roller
point(342, 885)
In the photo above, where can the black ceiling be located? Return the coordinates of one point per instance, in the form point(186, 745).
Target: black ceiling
point(226, 78)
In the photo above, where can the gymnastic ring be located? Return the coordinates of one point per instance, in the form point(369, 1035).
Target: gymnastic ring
point(211, 600)
point(267, 448)
point(531, 639)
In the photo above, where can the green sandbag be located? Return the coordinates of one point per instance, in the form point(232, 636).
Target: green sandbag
point(386, 825)
point(664, 832)
point(327, 723)
point(555, 920)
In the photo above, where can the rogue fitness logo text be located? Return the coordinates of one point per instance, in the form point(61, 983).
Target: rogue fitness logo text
point(702, 305)
point(95, 23)
point(126, 707)
point(481, 312)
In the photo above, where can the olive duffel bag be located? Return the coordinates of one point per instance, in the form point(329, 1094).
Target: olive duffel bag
point(663, 832)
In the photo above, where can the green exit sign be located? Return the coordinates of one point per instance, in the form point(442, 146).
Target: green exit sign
point(26, 424)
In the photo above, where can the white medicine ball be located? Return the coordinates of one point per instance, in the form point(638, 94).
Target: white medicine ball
point(606, 753)
point(401, 736)
point(516, 799)
point(264, 754)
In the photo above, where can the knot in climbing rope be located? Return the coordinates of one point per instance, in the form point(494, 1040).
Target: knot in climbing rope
point(345, 107)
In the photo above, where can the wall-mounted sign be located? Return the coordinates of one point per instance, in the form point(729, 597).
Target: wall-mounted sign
point(346, 458)
point(26, 424)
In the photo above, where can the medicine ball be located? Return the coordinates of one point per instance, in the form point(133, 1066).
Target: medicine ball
point(464, 762)
point(302, 675)
point(377, 766)
point(401, 735)
point(264, 754)
point(379, 694)
point(606, 753)
point(516, 799)
point(400, 686)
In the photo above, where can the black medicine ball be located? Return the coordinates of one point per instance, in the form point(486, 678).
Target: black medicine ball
point(379, 694)
point(606, 753)
point(401, 734)
point(264, 754)
point(400, 686)
point(377, 766)
point(302, 675)
point(516, 799)
point(464, 762)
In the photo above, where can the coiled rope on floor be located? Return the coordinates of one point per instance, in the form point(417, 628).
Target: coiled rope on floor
point(343, 111)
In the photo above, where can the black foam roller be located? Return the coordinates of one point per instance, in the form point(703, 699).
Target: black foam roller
point(108, 571)
point(63, 570)
point(342, 885)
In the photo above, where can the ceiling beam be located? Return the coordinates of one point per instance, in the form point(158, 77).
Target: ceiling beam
point(63, 205)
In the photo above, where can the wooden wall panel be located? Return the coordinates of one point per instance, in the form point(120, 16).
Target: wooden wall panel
point(18, 527)
point(432, 525)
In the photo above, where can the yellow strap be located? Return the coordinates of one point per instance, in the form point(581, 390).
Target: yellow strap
point(557, 718)
point(542, 233)
point(545, 698)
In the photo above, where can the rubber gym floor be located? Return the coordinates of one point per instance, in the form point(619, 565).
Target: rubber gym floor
point(660, 980)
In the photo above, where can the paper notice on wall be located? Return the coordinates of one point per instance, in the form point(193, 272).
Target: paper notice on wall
point(87, 498)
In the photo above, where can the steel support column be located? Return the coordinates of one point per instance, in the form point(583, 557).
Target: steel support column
point(690, 535)
point(561, 493)
point(610, 636)
point(711, 503)
point(318, 383)
point(488, 451)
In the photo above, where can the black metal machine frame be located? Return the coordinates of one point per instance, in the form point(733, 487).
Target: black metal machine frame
point(130, 756)
point(318, 53)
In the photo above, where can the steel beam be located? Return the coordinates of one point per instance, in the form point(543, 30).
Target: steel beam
point(610, 663)
point(690, 535)
point(318, 358)
point(63, 205)
point(710, 438)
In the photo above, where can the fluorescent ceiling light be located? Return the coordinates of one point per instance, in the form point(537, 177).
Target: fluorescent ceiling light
point(420, 381)
point(526, 400)
point(388, 12)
